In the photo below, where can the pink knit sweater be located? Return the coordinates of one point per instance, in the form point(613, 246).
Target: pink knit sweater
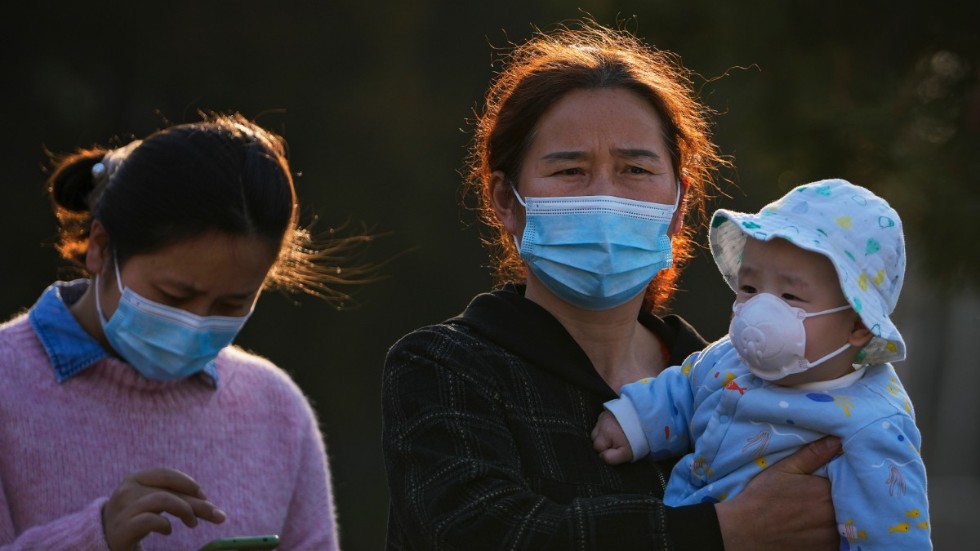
point(253, 444)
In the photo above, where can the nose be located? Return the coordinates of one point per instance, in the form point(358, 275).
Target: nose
point(198, 308)
point(202, 305)
point(603, 181)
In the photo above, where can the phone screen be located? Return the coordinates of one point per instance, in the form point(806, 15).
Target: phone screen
point(270, 541)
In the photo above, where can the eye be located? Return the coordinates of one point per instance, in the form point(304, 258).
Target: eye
point(232, 307)
point(639, 170)
point(790, 296)
point(235, 305)
point(574, 171)
point(171, 299)
point(747, 289)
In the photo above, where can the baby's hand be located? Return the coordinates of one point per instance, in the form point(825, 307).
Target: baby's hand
point(610, 441)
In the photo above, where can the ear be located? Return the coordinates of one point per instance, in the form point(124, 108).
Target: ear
point(860, 335)
point(677, 224)
point(98, 256)
point(504, 203)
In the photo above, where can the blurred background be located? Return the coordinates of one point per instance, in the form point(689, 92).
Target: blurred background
point(375, 100)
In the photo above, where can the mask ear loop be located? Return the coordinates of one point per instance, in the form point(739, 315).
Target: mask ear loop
point(98, 301)
point(677, 197)
point(115, 261)
point(829, 311)
point(520, 199)
point(835, 352)
point(513, 187)
point(828, 356)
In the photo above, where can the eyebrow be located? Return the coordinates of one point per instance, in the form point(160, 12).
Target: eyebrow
point(622, 152)
point(791, 279)
point(632, 153)
point(795, 281)
point(178, 286)
point(190, 290)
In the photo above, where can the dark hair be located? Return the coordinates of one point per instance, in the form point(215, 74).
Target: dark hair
point(224, 174)
point(542, 70)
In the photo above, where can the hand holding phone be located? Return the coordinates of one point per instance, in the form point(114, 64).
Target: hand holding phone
point(270, 541)
point(139, 505)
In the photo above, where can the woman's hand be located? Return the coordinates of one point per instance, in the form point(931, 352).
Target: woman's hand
point(784, 506)
point(136, 508)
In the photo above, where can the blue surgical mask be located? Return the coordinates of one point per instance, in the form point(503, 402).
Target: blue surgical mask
point(161, 342)
point(595, 252)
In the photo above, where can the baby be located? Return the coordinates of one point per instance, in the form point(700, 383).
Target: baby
point(816, 275)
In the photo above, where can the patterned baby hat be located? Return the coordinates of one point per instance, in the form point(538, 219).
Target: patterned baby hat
point(857, 230)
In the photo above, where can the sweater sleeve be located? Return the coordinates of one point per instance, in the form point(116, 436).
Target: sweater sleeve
point(455, 473)
point(80, 531)
point(311, 519)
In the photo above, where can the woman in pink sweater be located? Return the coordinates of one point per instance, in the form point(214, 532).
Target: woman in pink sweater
point(128, 421)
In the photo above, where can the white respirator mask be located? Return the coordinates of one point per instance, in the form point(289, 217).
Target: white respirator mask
point(770, 338)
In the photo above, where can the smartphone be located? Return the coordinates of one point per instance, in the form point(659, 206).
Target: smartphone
point(270, 541)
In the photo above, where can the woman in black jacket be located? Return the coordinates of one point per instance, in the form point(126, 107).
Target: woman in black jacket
point(589, 152)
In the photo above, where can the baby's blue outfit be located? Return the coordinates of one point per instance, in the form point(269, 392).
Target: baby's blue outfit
point(740, 424)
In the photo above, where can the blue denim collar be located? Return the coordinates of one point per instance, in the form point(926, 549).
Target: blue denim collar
point(70, 348)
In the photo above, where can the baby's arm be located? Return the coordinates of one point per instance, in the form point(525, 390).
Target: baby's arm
point(879, 487)
point(651, 416)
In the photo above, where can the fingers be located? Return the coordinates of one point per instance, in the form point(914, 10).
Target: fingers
point(137, 506)
point(783, 505)
point(779, 510)
point(811, 457)
point(145, 523)
point(188, 509)
point(169, 479)
point(617, 456)
point(208, 511)
point(163, 490)
point(605, 426)
point(598, 430)
point(609, 440)
point(162, 502)
point(186, 489)
point(600, 441)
